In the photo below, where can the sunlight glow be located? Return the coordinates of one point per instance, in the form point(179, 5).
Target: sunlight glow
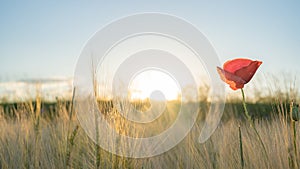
point(153, 84)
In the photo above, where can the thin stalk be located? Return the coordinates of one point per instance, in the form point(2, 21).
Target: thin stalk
point(252, 124)
point(70, 136)
point(96, 116)
point(295, 142)
point(294, 109)
point(241, 149)
point(293, 158)
point(97, 147)
point(36, 122)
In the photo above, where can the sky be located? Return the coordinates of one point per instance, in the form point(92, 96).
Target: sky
point(43, 39)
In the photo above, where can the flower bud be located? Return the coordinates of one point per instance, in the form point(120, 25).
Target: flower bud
point(296, 113)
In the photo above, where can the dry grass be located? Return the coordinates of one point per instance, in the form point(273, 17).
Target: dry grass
point(34, 141)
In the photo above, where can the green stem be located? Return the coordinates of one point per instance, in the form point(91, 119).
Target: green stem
point(241, 148)
point(295, 143)
point(245, 109)
point(252, 124)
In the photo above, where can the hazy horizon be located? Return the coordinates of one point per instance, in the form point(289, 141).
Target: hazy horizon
point(44, 39)
point(41, 41)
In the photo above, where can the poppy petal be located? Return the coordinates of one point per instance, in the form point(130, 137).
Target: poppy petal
point(248, 72)
point(236, 64)
point(238, 72)
point(235, 86)
point(235, 82)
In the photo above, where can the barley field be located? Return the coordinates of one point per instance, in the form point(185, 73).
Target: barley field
point(36, 134)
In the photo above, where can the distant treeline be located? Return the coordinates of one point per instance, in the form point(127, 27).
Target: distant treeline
point(63, 109)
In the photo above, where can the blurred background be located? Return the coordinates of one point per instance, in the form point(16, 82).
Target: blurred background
point(41, 40)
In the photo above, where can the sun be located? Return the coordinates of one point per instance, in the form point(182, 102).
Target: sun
point(153, 84)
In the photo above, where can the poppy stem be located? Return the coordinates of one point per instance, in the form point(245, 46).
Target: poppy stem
point(245, 109)
point(241, 148)
point(252, 123)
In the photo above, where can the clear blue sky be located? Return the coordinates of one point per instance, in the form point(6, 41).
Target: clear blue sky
point(44, 38)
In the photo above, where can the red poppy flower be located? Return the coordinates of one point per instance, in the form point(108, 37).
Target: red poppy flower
point(238, 72)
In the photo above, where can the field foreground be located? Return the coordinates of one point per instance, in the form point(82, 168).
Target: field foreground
point(31, 137)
